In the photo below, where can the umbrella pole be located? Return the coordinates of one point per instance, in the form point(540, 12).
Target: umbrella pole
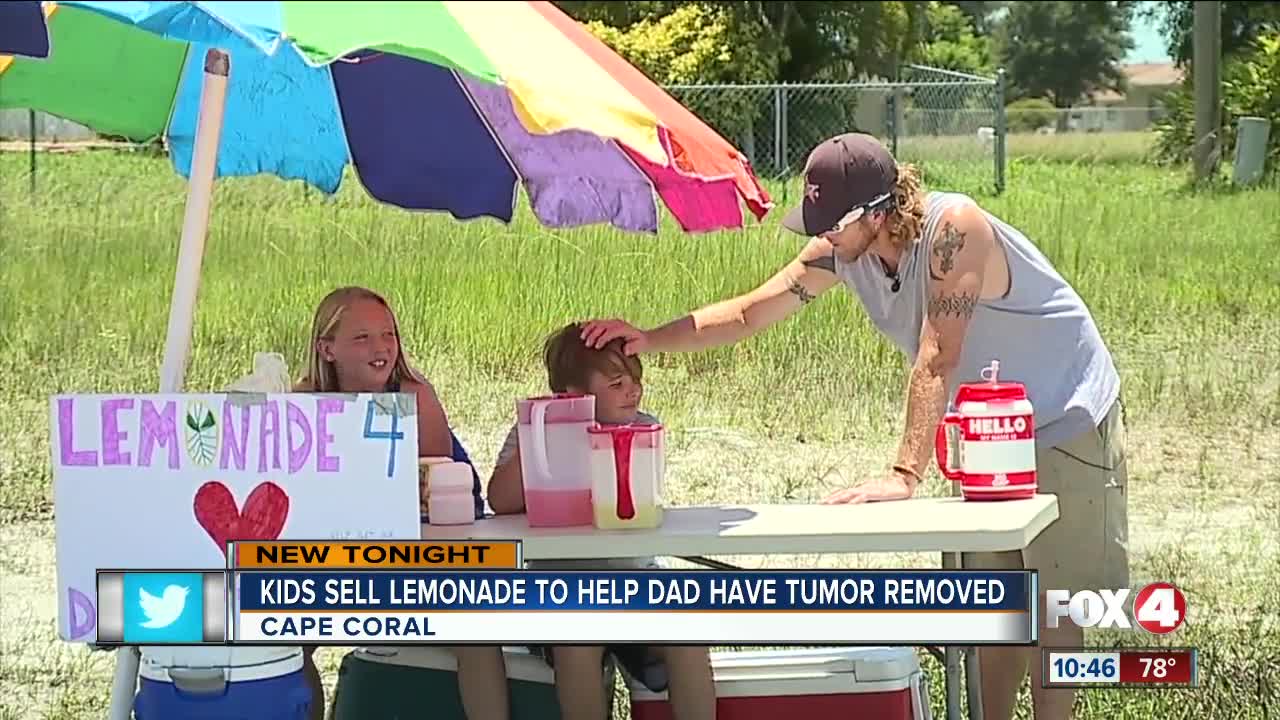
point(195, 225)
point(182, 308)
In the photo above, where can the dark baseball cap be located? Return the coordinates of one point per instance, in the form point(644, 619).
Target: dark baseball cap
point(848, 172)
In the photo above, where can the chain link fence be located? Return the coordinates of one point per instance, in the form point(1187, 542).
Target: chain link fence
point(952, 121)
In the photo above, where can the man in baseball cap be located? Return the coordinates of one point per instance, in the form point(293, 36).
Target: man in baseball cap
point(843, 178)
point(954, 288)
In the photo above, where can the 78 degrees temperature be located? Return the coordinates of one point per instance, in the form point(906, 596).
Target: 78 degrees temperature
point(1157, 667)
point(1068, 667)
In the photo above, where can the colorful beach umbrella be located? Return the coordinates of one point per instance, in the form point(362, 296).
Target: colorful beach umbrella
point(437, 105)
point(22, 30)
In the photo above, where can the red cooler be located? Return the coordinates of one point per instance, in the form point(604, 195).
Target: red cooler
point(829, 683)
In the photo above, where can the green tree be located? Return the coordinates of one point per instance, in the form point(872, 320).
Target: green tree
point(1242, 22)
point(840, 41)
point(1065, 51)
point(983, 16)
point(952, 43)
point(808, 41)
point(616, 14)
point(1250, 87)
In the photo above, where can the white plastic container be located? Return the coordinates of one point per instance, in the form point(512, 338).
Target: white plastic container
point(837, 683)
point(449, 488)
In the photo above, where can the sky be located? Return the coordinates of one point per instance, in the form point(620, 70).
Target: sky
point(1148, 43)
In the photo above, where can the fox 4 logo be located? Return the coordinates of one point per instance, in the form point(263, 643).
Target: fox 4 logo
point(1158, 608)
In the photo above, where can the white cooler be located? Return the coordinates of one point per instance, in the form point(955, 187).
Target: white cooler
point(885, 683)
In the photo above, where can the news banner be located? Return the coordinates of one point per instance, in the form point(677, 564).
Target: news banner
point(477, 592)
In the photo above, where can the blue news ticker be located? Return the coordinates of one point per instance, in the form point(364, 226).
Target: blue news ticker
point(626, 590)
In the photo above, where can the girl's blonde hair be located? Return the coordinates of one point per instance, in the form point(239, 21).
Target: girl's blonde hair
point(321, 375)
point(906, 219)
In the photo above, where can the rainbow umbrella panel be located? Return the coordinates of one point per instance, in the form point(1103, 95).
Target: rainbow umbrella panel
point(446, 106)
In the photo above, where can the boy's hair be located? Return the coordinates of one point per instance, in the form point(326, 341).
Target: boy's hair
point(570, 362)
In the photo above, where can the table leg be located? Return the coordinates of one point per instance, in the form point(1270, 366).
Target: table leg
point(951, 653)
point(973, 682)
point(972, 674)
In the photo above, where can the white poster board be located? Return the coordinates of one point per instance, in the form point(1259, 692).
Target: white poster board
point(164, 481)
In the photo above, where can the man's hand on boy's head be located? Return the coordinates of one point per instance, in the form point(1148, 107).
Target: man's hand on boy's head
point(598, 333)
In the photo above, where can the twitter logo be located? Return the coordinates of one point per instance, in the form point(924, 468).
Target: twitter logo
point(163, 608)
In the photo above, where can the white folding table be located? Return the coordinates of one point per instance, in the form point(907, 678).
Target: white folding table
point(948, 526)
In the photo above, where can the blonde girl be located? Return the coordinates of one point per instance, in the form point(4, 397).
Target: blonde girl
point(355, 347)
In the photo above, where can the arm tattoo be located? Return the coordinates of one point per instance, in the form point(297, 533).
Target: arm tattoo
point(959, 305)
point(826, 262)
point(952, 242)
point(799, 291)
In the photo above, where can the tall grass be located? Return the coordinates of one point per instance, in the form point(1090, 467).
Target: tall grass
point(1184, 286)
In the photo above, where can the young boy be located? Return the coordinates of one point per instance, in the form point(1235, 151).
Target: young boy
point(685, 672)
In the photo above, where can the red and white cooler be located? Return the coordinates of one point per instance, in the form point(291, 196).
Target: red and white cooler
point(832, 683)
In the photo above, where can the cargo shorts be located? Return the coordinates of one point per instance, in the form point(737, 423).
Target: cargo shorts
point(1087, 547)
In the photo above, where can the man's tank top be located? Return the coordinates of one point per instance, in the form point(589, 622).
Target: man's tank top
point(1041, 331)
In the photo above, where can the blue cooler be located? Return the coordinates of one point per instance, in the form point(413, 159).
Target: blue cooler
point(244, 683)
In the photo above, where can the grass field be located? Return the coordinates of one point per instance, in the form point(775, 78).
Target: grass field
point(1185, 286)
point(973, 159)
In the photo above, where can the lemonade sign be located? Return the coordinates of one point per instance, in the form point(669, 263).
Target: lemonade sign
point(166, 481)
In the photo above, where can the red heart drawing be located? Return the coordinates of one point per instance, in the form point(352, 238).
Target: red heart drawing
point(262, 519)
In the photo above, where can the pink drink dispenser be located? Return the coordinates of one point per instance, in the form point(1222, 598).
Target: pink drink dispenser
point(627, 467)
point(555, 458)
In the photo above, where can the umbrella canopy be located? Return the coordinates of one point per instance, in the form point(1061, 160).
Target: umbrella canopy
point(437, 105)
point(22, 30)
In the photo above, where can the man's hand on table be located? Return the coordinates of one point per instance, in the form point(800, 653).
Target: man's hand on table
point(894, 486)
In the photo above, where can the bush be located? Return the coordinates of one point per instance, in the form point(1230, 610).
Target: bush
point(1030, 114)
point(1250, 87)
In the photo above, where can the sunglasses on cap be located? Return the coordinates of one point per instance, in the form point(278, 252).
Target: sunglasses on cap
point(880, 203)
